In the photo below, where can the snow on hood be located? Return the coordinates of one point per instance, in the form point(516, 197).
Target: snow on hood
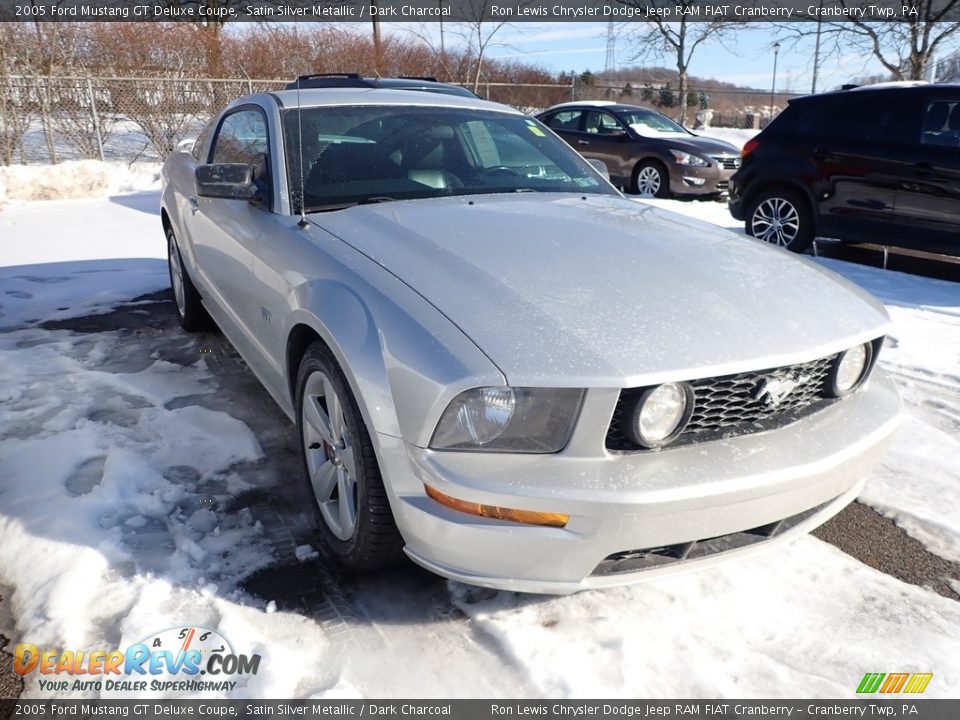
point(599, 290)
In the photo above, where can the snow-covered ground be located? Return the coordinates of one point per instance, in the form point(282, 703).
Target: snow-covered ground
point(127, 468)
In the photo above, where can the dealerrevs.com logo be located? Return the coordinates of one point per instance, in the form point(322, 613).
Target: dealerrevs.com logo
point(187, 659)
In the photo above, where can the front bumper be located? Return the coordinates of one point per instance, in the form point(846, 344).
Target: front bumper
point(624, 502)
point(692, 180)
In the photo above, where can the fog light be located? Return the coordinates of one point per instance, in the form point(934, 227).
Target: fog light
point(661, 414)
point(850, 369)
point(528, 517)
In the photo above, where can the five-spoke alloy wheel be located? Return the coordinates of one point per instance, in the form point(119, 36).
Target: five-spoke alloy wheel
point(190, 311)
point(354, 517)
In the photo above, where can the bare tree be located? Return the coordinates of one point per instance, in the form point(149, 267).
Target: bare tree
point(478, 32)
point(906, 48)
point(657, 38)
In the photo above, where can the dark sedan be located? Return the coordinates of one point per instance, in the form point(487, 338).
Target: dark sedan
point(646, 152)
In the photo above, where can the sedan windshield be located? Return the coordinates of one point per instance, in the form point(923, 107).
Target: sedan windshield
point(652, 124)
point(377, 153)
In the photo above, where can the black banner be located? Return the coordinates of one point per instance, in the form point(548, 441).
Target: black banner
point(478, 10)
point(906, 707)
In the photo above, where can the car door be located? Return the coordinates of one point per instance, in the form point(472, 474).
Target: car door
point(928, 199)
point(605, 138)
point(225, 232)
point(566, 124)
point(852, 148)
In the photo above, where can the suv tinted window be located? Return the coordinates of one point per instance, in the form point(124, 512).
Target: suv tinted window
point(873, 117)
point(941, 122)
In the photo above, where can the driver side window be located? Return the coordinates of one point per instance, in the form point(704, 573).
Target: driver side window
point(243, 139)
point(602, 123)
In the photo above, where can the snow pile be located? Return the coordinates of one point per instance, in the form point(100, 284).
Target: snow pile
point(75, 179)
point(56, 291)
point(917, 485)
point(764, 626)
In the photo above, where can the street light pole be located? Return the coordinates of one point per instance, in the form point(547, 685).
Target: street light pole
point(773, 87)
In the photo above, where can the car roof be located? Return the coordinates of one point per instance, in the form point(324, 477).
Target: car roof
point(597, 104)
point(892, 88)
point(345, 80)
point(319, 97)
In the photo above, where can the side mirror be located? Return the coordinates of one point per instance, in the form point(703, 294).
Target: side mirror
point(601, 167)
point(186, 145)
point(231, 181)
point(619, 134)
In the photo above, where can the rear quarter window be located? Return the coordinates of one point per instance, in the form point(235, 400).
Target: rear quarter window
point(859, 116)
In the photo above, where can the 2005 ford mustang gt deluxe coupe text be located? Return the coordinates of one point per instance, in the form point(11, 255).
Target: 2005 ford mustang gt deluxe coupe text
point(501, 366)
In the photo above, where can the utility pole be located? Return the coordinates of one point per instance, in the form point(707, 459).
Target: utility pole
point(816, 51)
point(374, 14)
point(773, 87)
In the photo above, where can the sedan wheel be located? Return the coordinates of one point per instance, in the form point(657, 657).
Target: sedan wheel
point(331, 464)
point(650, 180)
point(353, 512)
point(781, 218)
point(190, 311)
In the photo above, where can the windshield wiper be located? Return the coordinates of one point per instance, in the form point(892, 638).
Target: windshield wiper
point(344, 205)
point(375, 200)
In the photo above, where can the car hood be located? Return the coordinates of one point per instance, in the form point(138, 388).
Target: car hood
point(702, 145)
point(604, 291)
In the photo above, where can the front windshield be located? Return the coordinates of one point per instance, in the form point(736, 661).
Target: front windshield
point(376, 153)
point(652, 124)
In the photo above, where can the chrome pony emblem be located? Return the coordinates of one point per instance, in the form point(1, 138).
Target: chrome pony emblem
point(775, 389)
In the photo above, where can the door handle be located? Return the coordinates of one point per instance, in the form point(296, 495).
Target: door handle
point(194, 204)
point(583, 142)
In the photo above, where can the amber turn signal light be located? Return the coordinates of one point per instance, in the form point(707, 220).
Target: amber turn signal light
point(528, 517)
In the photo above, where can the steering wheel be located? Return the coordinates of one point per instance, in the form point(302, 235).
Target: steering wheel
point(502, 170)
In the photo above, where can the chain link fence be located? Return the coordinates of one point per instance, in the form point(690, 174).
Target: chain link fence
point(49, 119)
point(46, 119)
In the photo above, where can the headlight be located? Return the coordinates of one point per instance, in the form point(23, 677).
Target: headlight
point(660, 414)
point(504, 419)
point(850, 369)
point(684, 158)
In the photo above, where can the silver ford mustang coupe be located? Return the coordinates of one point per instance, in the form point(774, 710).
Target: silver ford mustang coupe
point(501, 366)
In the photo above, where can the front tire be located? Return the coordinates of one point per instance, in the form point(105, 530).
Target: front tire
point(355, 522)
point(651, 179)
point(782, 218)
point(190, 311)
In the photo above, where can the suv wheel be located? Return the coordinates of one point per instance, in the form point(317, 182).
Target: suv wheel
point(353, 514)
point(650, 179)
point(781, 217)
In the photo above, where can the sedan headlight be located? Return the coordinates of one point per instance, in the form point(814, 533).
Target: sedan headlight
point(685, 158)
point(660, 414)
point(850, 369)
point(505, 419)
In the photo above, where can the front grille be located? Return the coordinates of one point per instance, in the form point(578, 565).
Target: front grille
point(649, 558)
point(723, 185)
point(731, 405)
point(727, 162)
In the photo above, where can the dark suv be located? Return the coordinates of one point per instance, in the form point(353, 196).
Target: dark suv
point(876, 164)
